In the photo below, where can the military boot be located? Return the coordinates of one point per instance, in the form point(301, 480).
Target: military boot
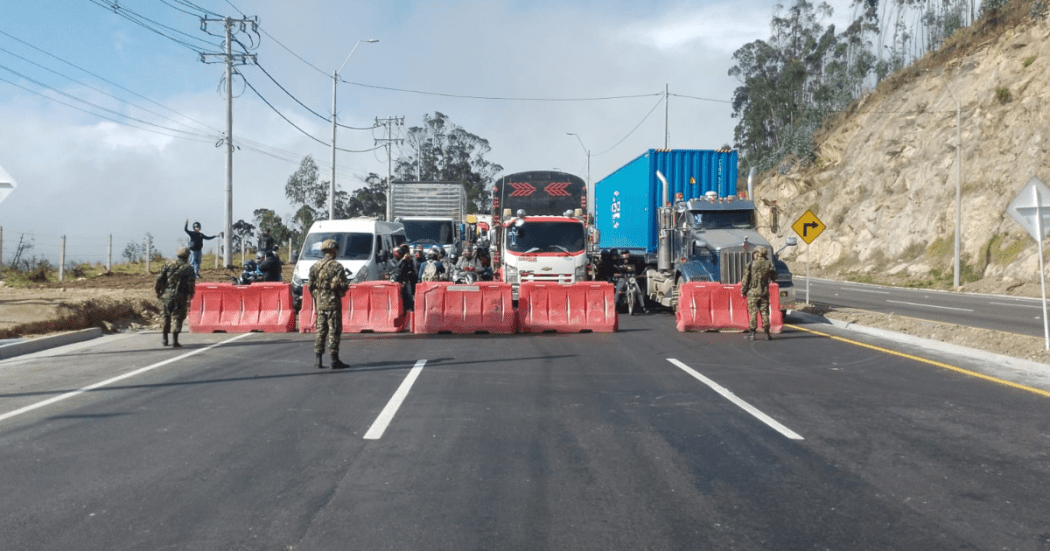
point(317, 362)
point(336, 364)
point(750, 335)
point(175, 340)
point(164, 338)
point(769, 337)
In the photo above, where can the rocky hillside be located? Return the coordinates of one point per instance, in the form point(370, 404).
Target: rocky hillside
point(884, 182)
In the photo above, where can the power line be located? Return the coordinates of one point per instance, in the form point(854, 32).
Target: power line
point(141, 20)
point(100, 116)
point(633, 129)
point(701, 99)
point(49, 54)
point(494, 98)
point(320, 116)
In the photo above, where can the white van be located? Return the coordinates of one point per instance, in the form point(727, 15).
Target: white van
point(365, 246)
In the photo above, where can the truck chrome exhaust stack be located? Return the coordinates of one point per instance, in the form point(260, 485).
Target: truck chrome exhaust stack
point(663, 251)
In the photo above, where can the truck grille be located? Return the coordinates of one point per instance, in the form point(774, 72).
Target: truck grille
point(732, 263)
point(565, 279)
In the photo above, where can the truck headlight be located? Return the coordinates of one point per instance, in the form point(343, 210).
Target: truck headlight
point(510, 273)
point(362, 275)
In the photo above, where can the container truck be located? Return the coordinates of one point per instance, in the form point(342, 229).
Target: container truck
point(680, 216)
point(432, 212)
point(541, 232)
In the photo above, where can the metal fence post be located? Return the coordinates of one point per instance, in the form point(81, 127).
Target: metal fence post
point(149, 251)
point(62, 260)
point(109, 254)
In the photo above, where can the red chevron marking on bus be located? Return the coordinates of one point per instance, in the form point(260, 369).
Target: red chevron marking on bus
point(521, 189)
point(557, 189)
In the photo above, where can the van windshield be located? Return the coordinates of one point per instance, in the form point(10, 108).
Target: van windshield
point(352, 246)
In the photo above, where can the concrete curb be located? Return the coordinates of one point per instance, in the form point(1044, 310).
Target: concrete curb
point(997, 359)
point(29, 346)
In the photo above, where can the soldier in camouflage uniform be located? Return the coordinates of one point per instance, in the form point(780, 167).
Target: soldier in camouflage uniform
point(327, 286)
point(175, 288)
point(755, 287)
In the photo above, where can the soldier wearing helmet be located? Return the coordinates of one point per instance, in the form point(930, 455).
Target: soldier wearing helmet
point(328, 284)
point(755, 287)
point(404, 273)
point(175, 287)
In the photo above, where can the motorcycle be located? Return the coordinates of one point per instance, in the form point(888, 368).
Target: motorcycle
point(628, 292)
point(464, 276)
point(249, 275)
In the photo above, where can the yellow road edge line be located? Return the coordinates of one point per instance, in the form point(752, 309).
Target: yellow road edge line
point(949, 367)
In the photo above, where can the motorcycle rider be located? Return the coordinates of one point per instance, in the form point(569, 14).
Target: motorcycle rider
point(432, 269)
point(270, 266)
point(404, 272)
point(623, 270)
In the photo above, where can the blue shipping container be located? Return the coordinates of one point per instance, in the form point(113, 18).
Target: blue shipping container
point(626, 201)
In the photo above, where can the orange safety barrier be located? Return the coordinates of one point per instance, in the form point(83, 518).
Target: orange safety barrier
point(483, 307)
point(711, 306)
point(228, 308)
point(587, 306)
point(368, 307)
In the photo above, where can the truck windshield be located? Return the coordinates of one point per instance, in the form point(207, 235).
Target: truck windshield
point(352, 246)
point(429, 231)
point(714, 219)
point(546, 237)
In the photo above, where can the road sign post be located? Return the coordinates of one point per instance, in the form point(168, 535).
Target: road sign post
point(808, 227)
point(1030, 209)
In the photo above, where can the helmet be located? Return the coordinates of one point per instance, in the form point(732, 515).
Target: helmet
point(432, 254)
point(761, 251)
point(182, 252)
point(196, 225)
point(259, 256)
point(329, 245)
point(437, 250)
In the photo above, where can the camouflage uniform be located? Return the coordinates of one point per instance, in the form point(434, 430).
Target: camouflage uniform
point(755, 286)
point(175, 287)
point(327, 286)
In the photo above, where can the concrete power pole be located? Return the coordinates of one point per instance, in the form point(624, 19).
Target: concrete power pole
point(389, 140)
point(230, 59)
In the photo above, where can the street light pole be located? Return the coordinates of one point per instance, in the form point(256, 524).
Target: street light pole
point(590, 197)
point(335, 82)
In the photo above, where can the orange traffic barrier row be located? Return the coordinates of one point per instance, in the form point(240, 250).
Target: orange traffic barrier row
point(711, 306)
point(228, 308)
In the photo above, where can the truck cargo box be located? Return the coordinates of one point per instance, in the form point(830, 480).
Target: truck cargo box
point(626, 201)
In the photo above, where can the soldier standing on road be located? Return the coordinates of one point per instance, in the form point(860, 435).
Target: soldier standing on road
point(755, 287)
point(175, 288)
point(327, 286)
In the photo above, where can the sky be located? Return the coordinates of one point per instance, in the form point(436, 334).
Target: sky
point(112, 128)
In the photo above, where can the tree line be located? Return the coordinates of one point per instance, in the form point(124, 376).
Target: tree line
point(436, 151)
point(806, 71)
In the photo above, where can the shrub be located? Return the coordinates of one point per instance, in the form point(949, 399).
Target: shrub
point(1003, 95)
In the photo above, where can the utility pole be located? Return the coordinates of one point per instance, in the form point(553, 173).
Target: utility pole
point(230, 59)
point(389, 140)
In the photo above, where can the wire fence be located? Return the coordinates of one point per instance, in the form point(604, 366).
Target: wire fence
point(25, 249)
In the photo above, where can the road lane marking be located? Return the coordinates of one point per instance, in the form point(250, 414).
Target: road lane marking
point(375, 432)
point(1016, 305)
point(108, 382)
point(930, 306)
point(859, 290)
point(989, 378)
point(733, 398)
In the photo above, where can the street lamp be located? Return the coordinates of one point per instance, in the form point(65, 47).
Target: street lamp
point(590, 197)
point(335, 81)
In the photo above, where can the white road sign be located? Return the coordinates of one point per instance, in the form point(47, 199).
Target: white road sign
point(7, 184)
point(1034, 197)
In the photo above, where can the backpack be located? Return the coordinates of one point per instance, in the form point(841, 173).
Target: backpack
point(430, 271)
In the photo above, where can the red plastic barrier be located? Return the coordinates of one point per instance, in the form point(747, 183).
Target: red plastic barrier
point(588, 306)
point(228, 308)
point(369, 307)
point(708, 306)
point(484, 307)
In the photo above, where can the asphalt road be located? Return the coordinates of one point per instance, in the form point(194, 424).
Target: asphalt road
point(1020, 315)
point(643, 439)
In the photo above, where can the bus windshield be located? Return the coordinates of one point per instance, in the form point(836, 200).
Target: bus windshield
point(546, 237)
